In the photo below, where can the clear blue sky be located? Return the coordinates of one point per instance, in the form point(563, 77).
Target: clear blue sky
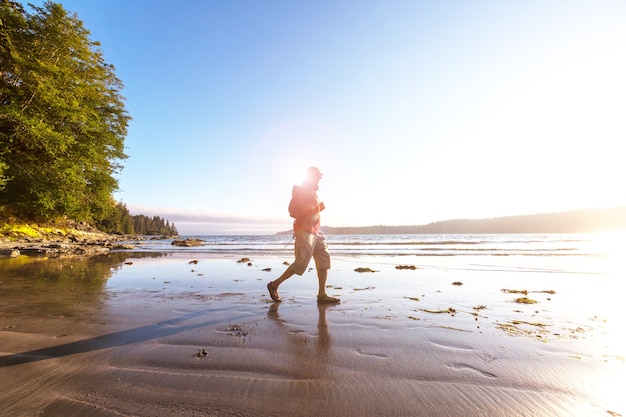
point(415, 111)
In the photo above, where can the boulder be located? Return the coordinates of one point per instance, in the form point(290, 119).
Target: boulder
point(187, 242)
point(11, 253)
point(123, 246)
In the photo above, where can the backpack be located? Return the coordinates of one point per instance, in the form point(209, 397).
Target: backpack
point(294, 204)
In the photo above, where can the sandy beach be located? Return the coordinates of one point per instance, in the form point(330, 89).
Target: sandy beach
point(153, 334)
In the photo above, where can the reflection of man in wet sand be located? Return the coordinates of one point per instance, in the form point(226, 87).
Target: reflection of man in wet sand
point(303, 353)
point(310, 241)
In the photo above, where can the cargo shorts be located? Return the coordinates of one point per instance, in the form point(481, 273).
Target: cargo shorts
point(309, 246)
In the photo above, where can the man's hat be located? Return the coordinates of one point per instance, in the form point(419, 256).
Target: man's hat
point(313, 171)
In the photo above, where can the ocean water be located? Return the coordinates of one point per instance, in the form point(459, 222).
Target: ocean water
point(603, 246)
point(579, 254)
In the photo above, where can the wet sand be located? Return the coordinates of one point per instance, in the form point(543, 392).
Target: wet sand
point(161, 335)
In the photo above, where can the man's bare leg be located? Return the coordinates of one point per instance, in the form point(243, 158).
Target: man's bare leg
point(272, 287)
point(322, 297)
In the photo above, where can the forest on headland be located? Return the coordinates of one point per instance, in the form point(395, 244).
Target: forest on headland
point(576, 221)
point(121, 222)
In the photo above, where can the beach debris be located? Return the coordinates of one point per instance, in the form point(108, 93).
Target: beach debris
point(526, 292)
point(286, 263)
point(194, 262)
point(364, 270)
point(128, 263)
point(577, 330)
point(364, 289)
point(412, 298)
point(449, 310)
point(596, 318)
point(236, 330)
point(454, 328)
point(411, 267)
point(518, 322)
point(266, 269)
point(525, 300)
point(458, 283)
point(201, 353)
point(187, 242)
point(504, 290)
point(480, 307)
point(513, 328)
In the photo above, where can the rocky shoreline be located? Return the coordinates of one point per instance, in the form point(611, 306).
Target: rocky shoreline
point(66, 246)
point(56, 250)
point(53, 242)
point(91, 243)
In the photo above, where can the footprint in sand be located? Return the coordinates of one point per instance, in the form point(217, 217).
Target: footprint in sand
point(448, 345)
point(374, 355)
point(463, 367)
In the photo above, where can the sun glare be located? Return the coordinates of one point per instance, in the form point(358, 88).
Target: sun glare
point(612, 247)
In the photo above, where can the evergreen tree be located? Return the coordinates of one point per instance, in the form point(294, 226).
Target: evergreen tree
point(63, 121)
point(127, 223)
point(144, 225)
point(118, 221)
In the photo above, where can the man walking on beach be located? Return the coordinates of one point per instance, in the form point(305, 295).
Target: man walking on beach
point(310, 242)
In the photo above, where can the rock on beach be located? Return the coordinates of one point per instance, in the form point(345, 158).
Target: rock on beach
point(187, 242)
point(10, 252)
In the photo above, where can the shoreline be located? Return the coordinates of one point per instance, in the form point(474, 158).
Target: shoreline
point(157, 334)
point(72, 242)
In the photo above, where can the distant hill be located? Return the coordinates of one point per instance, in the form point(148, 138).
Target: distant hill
point(576, 221)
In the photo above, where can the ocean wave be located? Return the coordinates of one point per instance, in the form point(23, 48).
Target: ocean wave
point(394, 245)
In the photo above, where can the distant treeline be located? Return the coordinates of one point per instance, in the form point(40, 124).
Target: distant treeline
point(576, 221)
point(122, 222)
